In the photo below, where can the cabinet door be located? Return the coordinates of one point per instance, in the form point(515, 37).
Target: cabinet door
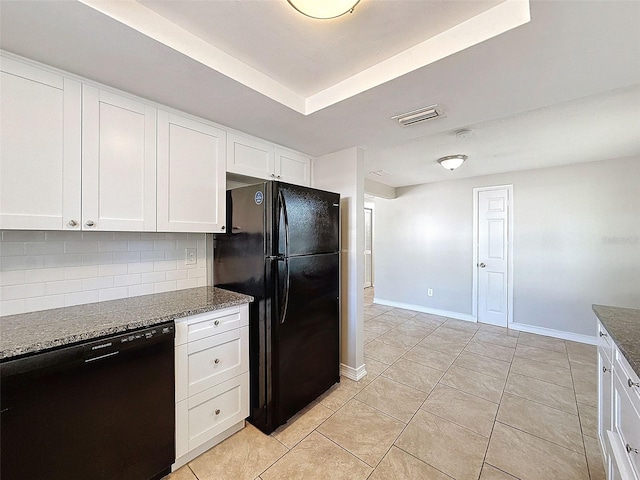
point(40, 121)
point(248, 156)
point(292, 167)
point(118, 163)
point(191, 175)
point(605, 385)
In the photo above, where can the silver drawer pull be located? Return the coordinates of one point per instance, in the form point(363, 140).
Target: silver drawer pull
point(631, 449)
point(633, 384)
point(216, 361)
point(72, 223)
point(602, 334)
point(217, 412)
point(89, 223)
point(216, 323)
point(605, 369)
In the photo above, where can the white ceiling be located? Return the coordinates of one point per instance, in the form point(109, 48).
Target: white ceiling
point(307, 55)
point(574, 67)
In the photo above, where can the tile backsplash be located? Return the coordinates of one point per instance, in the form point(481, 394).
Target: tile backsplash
point(50, 269)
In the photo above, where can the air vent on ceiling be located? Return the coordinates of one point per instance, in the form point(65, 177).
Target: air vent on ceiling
point(418, 116)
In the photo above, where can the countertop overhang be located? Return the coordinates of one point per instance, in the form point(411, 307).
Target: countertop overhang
point(623, 324)
point(34, 332)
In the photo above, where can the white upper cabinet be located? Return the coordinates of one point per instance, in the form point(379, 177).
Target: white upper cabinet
point(249, 156)
point(191, 175)
point(76, 155)
point(118, 162)
point(40, 121)
point(255, 158)
point(292, 167)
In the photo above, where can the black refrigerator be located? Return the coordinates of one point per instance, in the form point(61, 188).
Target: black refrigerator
point(283, 248)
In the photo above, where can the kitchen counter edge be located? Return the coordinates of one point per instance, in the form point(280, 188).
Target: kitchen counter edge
point(34, 332)
point(623, 324)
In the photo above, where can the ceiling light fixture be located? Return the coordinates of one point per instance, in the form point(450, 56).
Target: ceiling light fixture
point(452, 161)
point(417, 116)
point(324, 9)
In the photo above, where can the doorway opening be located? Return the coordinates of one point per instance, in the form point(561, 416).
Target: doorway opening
point(368, 247)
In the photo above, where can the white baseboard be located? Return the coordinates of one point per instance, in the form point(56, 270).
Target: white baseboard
point(550, 332)
point(433, 311)
point(354, 374)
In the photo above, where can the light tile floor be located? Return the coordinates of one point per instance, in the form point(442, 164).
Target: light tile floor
point(443, 399)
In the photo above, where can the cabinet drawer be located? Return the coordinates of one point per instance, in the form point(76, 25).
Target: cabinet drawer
point(196, 327)
point(628, 377)
point(626, 421)
point(209, 413)
point(604, 341)
point(213, 360)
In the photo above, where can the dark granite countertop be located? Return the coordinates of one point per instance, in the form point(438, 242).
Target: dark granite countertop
point(38, 331)
point(623, 324)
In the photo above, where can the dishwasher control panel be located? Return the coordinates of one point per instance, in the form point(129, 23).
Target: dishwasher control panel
point(112, 345)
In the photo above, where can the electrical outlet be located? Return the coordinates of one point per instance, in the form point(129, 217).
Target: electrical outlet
point(430, 292)
point(190, 256)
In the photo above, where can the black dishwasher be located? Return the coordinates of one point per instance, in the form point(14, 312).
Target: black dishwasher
point(103, 410)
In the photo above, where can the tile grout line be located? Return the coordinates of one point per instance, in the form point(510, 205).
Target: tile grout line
point(586, 458)
point(495, 420)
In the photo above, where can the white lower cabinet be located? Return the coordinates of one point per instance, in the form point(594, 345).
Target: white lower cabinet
point(212, 379)
point(618, 411)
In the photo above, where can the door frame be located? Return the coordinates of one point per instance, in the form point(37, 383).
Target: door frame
point(371, 254)
point(510, 203)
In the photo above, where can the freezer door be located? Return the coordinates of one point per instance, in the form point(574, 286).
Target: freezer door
point(307, 220)
point(239, 255)
point(307, 331)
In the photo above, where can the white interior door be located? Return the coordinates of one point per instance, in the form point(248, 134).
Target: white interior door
point(368, 247)
point(493, 256)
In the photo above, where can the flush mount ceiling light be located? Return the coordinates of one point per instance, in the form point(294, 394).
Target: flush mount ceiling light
point(324, 9)
point(418, 116)
point(452, 161)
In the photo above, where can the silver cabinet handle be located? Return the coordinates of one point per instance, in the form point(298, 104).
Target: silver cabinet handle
point(273, 175)
point(481, 265)
point(630, 449)
point(217, 412)
point(216, 323)
point(633, 384)
point(72, 223)
point(602, 334)
point(277, 176)
point(216, 361)
point(605, 369)
point(90, 223)
point(222, 227)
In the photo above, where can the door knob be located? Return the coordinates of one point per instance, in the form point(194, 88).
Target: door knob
point(481, 265)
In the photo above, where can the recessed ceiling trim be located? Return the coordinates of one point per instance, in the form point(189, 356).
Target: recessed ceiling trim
point(499, 19)
point(490, 23)
point(155, 26)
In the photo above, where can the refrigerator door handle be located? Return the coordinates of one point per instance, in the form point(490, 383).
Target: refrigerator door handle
point(285, 303)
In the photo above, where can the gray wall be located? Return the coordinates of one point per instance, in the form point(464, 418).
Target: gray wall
point(343, 172)
point(576, 242)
